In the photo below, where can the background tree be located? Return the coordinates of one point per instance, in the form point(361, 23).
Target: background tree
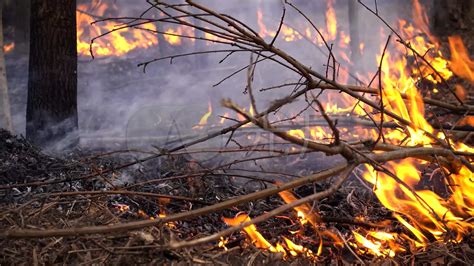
point(5, 115)
point(453, 15)
point(51, 113)
point(16, 15)
point(354, 28)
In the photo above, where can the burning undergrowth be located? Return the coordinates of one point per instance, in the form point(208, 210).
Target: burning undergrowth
point(315, 233)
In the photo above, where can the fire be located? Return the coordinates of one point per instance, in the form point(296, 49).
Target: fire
point(117, 42)
point(9, 47)
point(468, 120)
point(255, 236)
point(420, 44)
point(297, 133)
point(222, 243)
point(421, 21)
point(264, 32)
point(377, 243)
point(318, 133)
point(305, 212)
point(162, 214)
point(331, 21)
point(287, 33)
point(424, 214)
point(223, 118)
point(361, 47)
point(460, 63)
point(296, 249)
point(430, 216)
point(205, 117)
point(173, 36)
point(259, 241)
point(121, 208)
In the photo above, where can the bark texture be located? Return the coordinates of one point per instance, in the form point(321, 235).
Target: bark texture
point(51, 114)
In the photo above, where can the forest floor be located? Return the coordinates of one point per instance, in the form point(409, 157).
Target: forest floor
point(39, 191)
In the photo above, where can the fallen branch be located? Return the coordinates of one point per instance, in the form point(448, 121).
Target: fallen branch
point(317, 196)
point(102, 229)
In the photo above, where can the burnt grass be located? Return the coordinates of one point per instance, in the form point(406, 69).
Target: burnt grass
point(34, 189)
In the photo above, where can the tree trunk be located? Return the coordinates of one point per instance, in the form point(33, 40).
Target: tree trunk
point(17, 15)
point(451, 16)
point(5, 116)
point(51, 115)
point(354, 13)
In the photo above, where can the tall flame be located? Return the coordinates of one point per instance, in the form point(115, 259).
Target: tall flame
point(460, 63)
point(331, 21)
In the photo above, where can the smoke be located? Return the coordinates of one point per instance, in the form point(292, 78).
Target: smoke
point(117, 101)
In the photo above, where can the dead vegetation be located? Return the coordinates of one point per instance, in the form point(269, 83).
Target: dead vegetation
point(404, 147)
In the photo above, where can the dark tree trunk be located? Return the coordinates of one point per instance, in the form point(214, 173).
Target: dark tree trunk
point(17, 15)
point(5, 115)
point(452, 16)
point(51, 113)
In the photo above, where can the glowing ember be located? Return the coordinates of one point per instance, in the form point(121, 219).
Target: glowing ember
point(122, 208)
point(222, 243)
point(9, 47)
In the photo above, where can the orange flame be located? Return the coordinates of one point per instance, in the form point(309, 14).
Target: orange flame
point(117, 42)
point(427, 212)
point(205, 117)
point(289, 247)
point(331, 21)
point(257, 239)
point(460, 63)
point(423, 213)
point(304, 211)
point(467, 121)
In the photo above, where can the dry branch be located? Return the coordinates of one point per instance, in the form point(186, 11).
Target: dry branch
point(375, 150)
